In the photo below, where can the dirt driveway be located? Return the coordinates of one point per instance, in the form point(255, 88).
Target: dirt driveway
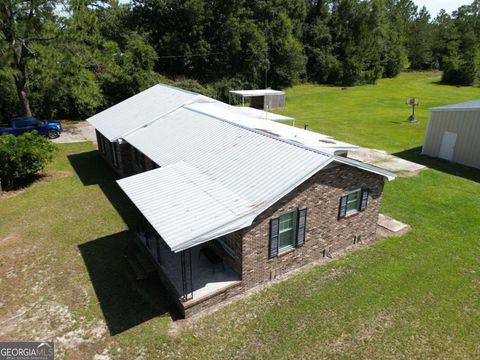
point(81, 131)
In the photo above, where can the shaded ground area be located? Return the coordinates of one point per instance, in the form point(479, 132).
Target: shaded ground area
point(93, 170)
point(125, 302)
point(415, 155)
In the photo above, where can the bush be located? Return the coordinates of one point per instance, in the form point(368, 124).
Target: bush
point(23, 156)
point(194, 86)
point(221, 89)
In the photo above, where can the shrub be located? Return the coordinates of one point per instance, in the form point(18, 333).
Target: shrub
point(194, 86)
point(221, 89)
point(23, 156)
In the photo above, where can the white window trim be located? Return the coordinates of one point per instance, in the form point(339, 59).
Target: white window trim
point(359, 201)
point(294, 227)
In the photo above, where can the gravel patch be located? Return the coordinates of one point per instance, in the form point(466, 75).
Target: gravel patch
point(82, 131)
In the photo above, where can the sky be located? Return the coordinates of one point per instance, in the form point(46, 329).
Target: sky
point(434, 6)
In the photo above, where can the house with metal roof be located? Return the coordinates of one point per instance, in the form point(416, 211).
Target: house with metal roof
point(453, 132)
point(229, 200)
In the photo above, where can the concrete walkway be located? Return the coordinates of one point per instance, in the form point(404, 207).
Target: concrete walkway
point(82, 131)
point(386, 161)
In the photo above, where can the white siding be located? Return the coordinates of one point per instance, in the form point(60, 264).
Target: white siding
point(466, 124)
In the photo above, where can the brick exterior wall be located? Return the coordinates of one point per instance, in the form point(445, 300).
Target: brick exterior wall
point(324, 231)
point(320, 195)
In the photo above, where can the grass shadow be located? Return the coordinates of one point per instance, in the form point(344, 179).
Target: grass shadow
point(415, 155)
point(125, 302)
point(93, 170)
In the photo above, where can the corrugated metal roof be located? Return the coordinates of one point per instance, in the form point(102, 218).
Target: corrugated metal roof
point(258, 114)
point(259, 92)
point(466, 106)
point(221, 166)
point(141, 109)
point(252, 169)
point(311, 139)
point(182, 202)
point(216, 175)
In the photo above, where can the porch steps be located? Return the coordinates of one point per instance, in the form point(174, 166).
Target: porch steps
point(141, 266)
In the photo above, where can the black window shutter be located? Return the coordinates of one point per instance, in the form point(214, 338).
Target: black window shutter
point(364, 199)
point(301, 226)
point(274, 228)
point(342, 210)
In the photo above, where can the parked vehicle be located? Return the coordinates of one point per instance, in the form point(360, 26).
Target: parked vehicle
point(19, 126)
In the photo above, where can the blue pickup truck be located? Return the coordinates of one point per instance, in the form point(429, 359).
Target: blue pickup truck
point(19, 126)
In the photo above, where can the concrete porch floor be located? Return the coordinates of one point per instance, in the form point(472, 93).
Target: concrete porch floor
point(206, 279)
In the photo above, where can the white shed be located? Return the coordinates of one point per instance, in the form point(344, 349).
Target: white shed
point(263, 99)
point(453, 133)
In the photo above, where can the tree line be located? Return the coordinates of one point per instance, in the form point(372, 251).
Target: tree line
point(72, 58)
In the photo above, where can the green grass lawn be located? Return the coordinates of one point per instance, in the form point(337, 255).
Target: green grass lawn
point(63, 277)
point(374, 115)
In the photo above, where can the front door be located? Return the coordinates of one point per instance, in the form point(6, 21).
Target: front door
point(448, 145)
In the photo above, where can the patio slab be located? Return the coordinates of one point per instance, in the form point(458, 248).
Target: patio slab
point(386, 161)
point(207, 279)
point(391, 224)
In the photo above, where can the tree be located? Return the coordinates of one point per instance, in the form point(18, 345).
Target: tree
point(461, 60)
point(388, 39)
point(322, 64)
point(421, 41)
point(23, 24)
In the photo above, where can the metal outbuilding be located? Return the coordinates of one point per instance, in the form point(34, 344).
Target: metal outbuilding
point(263, 99)
point(453, 133)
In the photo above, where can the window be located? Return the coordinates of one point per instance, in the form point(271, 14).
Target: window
point(228, 243)
point(286, 232)
point(353, 202)
point(33, 123)
point(101, 143)
point(113, 147)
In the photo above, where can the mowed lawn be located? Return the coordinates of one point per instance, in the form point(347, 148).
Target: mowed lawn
point(63, 276)
point(374, 115)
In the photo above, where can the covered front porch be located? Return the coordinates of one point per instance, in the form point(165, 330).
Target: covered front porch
point(195, 273)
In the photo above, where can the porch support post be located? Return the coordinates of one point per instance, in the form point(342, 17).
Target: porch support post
point(187, 280)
